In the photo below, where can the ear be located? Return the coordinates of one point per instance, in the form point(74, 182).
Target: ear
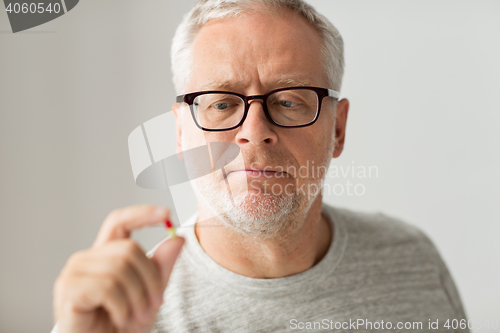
point(178, 129)
point(340, 126)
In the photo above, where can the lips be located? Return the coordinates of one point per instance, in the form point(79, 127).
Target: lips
point(259, 172)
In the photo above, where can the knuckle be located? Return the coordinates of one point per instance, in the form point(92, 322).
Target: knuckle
point(73, 263)
point(118, 266)
point(111, 286)
point(140, 302)
point(67, 306)
point(131, 248)
point(122, 265)
point(75, 258)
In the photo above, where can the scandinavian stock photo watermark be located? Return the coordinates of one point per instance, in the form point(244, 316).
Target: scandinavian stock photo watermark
point(348, 180)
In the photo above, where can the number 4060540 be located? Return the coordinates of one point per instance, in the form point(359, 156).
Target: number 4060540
point(33, 8)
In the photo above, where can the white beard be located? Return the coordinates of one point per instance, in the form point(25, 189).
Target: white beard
point(260, 215)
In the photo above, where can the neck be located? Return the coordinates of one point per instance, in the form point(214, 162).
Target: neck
point(277, 257)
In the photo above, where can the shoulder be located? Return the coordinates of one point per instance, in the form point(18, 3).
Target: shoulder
point(376, 224)
point(386, 251)
point(379, 232)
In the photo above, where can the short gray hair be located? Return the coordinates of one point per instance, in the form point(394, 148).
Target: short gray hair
point(205, 10)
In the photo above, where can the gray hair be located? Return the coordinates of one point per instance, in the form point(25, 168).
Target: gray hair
point(205, 10)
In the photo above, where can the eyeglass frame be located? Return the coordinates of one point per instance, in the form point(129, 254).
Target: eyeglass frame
point(320, 93)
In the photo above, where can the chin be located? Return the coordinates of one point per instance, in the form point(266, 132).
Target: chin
point(260, 215)
point(258, 205)
point(251, 212)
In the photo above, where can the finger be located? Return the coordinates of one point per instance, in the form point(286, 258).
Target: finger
point(136, 292)
point(122, 271)
point(86, 293)
point(165, 256)
point(146, 269)
point(121, 222)
point(126, 260)
point(147, 272)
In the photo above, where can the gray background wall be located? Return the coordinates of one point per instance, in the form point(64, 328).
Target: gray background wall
point(423, 78)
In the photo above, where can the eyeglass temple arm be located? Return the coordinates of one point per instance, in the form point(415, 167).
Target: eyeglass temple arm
point(179, 99)
point(333, 93)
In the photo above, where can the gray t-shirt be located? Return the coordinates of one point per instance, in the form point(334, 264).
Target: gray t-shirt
point(379, 274)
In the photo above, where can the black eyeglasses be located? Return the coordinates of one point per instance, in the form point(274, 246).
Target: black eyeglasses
point(289, 107)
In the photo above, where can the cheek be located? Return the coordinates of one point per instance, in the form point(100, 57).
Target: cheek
point(313, 148)
point(192, 136)
point(317, 141)
point(225, 136)
point(325, 133)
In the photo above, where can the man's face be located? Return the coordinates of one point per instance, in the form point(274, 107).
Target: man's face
point(252, 55)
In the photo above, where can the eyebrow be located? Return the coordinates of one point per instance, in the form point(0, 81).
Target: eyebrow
point(289, 82)
point(293, 82)
point(217, 85)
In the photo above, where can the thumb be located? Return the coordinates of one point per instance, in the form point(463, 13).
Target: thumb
point(165, 256)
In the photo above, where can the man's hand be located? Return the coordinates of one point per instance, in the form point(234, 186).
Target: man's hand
point(114, 286)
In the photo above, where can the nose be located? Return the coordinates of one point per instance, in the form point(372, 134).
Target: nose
point(256, 129)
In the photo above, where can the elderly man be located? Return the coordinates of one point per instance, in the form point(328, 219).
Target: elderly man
point(263, 75)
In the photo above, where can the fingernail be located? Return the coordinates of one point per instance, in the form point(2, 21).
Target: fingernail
point(161, 211)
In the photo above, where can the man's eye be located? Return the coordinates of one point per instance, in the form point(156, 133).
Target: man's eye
point(221, 106)
point(287, 104)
